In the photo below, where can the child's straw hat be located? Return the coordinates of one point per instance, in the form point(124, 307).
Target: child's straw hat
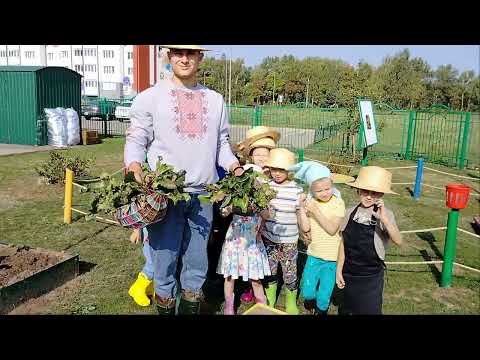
point(186, 47)
point(374, 178)
point(281, 159)
point(259, 136)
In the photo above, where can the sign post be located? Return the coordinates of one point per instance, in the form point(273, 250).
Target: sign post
point(368, 130)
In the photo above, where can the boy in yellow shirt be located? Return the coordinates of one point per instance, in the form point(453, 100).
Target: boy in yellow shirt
point(323, 213)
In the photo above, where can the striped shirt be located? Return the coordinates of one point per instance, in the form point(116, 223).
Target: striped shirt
point(283, 227)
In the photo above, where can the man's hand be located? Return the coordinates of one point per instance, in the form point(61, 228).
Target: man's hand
point(237, 169)
point(136, 168)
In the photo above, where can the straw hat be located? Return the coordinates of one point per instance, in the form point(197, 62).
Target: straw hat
point(186, 47)
point(374, 178)
point(259, 136)
point(280, 159)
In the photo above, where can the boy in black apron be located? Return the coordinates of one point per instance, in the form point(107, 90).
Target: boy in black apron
point(366, 231)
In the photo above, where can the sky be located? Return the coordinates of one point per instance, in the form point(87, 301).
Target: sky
point(462, 57)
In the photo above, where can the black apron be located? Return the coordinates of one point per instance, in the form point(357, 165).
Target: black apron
point(363, 270)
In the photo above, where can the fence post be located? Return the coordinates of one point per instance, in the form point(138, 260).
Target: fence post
point(258, 116)
point(301, 154)
point(411, 124)
point(418, 179)
point(463, 151)
point(67, 208)
point(449, 249)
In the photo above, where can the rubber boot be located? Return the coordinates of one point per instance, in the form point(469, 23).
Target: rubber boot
point(310, 305)
point(141, 289)
point(291, 302)
point(228, 307)
point(165, 306)
point(321, 313)
point(271, 291)
point(189, 303)
point(186, 307)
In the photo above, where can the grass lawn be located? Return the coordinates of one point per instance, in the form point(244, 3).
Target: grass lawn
point(31, 214)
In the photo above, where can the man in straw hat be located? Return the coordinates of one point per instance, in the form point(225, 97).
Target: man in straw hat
point(366, 231)
point(187, 124)
point(280, 233)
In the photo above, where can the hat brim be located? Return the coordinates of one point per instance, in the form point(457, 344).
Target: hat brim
point(357, 185)
point(275, 135)
point(184, 47)
point(341, 178)
point(276, 166)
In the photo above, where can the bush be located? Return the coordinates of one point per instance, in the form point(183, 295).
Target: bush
point(53, 170)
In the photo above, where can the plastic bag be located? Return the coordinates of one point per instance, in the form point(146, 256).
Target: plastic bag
point(57, 127)
point(73, 127)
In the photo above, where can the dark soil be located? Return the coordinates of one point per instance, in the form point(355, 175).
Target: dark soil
point(18, 263)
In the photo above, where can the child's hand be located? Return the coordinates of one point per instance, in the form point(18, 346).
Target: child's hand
point(267, 213)
point(380, 214)
point(339, 280)
point(307, 237)
point(227, 210)
point(135, 237)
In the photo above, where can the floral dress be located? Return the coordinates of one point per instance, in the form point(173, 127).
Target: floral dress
point(243, 254)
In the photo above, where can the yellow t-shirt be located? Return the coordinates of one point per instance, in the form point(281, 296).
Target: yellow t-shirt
point(323, 245)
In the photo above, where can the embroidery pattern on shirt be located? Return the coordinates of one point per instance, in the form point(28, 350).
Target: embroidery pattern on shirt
point(190, 108)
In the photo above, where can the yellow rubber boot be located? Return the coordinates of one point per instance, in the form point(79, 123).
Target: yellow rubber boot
point(141, 289)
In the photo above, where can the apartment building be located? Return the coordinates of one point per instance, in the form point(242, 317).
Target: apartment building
point(107, 69)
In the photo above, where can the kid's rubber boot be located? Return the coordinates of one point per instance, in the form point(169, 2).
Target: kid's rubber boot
point(271, 291)
point(141, 289)
point(291, 302)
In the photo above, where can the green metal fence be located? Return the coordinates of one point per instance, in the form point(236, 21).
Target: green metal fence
point(438, 134)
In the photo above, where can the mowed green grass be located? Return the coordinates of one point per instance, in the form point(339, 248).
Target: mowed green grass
point(31, 213)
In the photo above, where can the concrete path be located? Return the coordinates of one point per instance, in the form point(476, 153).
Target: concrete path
point(10, 149)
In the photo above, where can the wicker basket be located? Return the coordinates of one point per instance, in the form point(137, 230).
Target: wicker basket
point(138, 215)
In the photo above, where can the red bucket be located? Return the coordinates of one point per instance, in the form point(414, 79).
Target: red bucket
point(457, 196)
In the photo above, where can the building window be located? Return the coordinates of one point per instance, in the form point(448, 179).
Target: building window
point(50, 56)
point(130, 71)
point(91, 83)
point(3, 53)
point(13, 53)
point(29, 54)
point(130, 55)
point(64, 54)
point(90, 52)
point(108, 53)
point(91, 68)
point(78, 52)
point(78, 68)
point(109, 69)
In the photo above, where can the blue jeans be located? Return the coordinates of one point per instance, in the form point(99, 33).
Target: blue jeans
point(319, 273)
point(148, 267)
point(183, 232)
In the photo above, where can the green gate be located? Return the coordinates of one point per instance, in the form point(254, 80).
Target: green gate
point(439, 135)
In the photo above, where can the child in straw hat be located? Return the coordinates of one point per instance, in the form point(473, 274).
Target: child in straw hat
point(280, 233)
point(323, 215)
point(243, 254)
point(366, 231)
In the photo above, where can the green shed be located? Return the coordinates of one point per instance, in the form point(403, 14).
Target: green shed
point(25, 91)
